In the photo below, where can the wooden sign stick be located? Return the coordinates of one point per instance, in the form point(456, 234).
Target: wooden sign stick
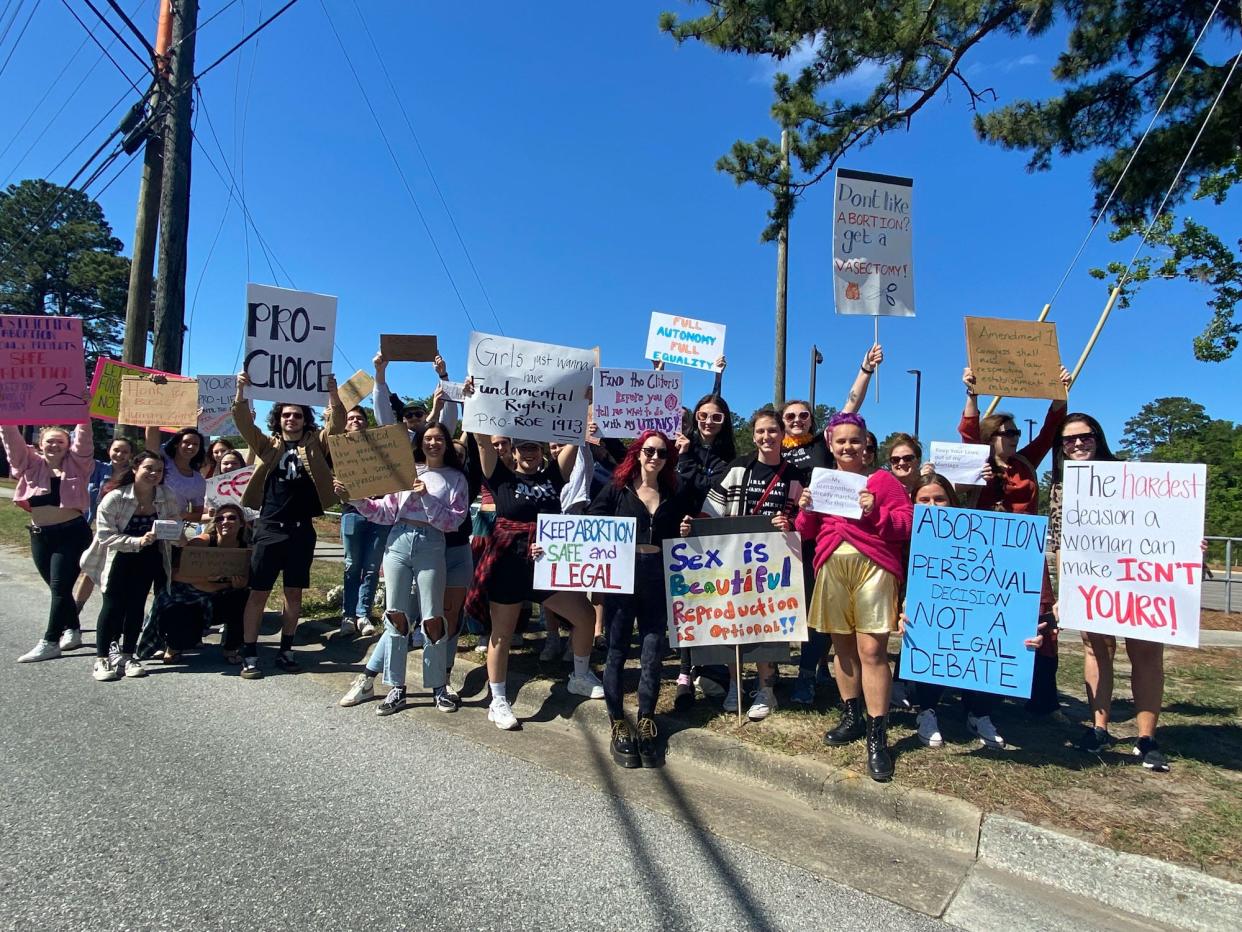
point(877, 370)
point(737, 655)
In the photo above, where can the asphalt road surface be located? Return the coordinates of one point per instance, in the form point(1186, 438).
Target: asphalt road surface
point(194, 799)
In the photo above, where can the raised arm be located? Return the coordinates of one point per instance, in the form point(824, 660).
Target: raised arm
point(968, 427)
point(16, 449)
point(858, 391)
point(334, 423)
point(720, 368)
point(151, 438)
point(566, 458)
point(1035, 451)
point(244, 418)
point(83, 444)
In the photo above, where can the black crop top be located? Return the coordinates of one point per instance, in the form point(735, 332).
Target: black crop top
point(50, 498)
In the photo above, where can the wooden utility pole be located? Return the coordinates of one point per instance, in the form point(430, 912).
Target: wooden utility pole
point(175, 194)
point(782, 277)
point(146, 224)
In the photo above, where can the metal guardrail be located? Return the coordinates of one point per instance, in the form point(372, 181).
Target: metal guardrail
point(1228, 580)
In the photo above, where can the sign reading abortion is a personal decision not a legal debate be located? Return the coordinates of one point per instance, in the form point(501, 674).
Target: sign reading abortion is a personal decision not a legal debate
point(289, 340)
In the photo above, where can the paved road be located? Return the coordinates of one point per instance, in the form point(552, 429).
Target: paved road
point(193, 799)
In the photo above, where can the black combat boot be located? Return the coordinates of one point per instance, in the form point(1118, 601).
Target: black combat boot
point(650, 748)
point(879, 760)
point(624, 748)
point(851, 726)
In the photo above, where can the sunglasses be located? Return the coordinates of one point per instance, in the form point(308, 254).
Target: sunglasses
point(797, 417)
point(1012, 434)
point(902, 460)
point(655, 453)
point(704, 418)
point(293, 415)
point(1071, 440)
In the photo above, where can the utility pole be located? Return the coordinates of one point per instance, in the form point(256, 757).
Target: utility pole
point(175, 194)
point(782, 276)
point(816, 358)
point(1030, 429)
point(918, 396)
point(146, 224)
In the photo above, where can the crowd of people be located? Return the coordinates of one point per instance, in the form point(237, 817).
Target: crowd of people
point(459, 547)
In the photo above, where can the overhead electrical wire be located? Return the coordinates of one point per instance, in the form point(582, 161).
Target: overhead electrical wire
point(115, 63)
point(18, 40)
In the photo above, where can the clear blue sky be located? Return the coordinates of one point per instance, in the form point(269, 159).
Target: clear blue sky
point(575, 145)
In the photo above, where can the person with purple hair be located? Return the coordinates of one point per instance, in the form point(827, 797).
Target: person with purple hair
point(859, 563)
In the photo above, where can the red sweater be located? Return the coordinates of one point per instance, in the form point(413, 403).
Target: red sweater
point(1016, 490)
point(879, 536)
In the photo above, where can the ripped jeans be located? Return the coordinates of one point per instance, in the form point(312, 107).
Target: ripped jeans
point(415, 553)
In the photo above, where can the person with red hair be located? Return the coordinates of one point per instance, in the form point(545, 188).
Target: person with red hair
point(644, 487)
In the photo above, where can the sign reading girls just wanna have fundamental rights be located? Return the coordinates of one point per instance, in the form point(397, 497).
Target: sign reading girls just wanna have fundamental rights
point(684, 341)
point(872, 244)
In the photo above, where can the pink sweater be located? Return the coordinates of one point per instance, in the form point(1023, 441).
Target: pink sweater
point(34, 477)
point(879, 536)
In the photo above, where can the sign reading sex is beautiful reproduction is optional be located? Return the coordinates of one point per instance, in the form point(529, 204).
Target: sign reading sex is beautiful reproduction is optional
point(872, 237)
point(684, 341)
point(527, 390)
point(1131, 554)
point(627, 402)
point(972, 599)
point(743, 588)
point(42, 373)
point(585, 553)
point(289, 342)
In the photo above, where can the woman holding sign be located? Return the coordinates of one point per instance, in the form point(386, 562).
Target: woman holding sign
point(52, 483)
point(363, 543)
point(643, 487)
point(859, 563)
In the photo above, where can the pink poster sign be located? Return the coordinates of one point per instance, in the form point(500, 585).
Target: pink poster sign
point(42, 370)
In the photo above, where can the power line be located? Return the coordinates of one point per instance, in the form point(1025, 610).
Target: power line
point(112, 29)
point(108, 54)
point(51, 87)
point(18, 40)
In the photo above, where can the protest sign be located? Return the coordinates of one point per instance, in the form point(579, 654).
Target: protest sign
point(1131, 563)
point(743, 588)
point(374, 462)
point(145, 403)
point(629, 401)
point(228, 488)
point(972, 599)
point(42, 372)
point(526, 390)
point(214, 562)
point(356, 390)
point(872, 239)
point(835, 492)
point(585, 553)
point(1014, 358)
point(408, 347)
point(106, 386)
point(453, 390)
point(215, 402)
point(960, 463)
point(167, 528)
point(289, 340)
point(684, 341)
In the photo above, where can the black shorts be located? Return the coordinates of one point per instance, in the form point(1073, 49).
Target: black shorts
point(281, 547)
point(513, 577)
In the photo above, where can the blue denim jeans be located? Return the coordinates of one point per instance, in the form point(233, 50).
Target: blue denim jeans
point(415, 554)
point(813, 651)
point(363, 542)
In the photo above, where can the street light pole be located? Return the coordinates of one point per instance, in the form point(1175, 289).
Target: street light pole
point(816, 358)
point(918, 395)
point(1030, 429)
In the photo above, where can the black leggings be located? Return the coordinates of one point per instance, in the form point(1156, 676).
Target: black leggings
point(646, 606)
point(57, 552)
point(129, 581)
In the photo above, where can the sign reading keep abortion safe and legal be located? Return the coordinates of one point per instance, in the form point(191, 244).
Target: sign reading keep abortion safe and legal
point(289, 341)
point(972, 599)
point(585, 553)
point(684, 341)
point(743, 588)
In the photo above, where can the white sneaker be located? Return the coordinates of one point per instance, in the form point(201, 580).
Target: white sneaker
point(501, 713)
point(481, 646)
point(368, 628)
point(360, 690)
point(730, 700)
point(929, 729)
point(985, 731)
point(349, 626)
point(133, 666)
point(71, 639)
point(763, 706)
point(551, 650)
point(587, 684)
point(103, 671)
point(44, 650)
point(709, 687)
point(417, 639)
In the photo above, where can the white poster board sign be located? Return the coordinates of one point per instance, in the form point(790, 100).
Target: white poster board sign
point(215, 401)
point(452, 390)
point(872, 265)
point(289, 340)
point(627, 402)
point(960, 463)
point(1131, 562)
point(527, 390)
point(585, 553)
point(684, 341)
point(835, 492)
point(228, 488)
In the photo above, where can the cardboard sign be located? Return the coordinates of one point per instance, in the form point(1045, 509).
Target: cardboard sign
point(972, 599)
point(106, 387)
point(356, 390)
point(215, 401)
point(289, 341)
point(214, 562)
point(684, 341)
point(167, 528)
point(872, 237)
point(153, 404)
point(835, 492)
point(42, 372)
point(1131, 563)
point(960, 463)
point(374, 462)
point(627, 402)
point(743, 588)
point(527, 390)
point(1014, 358)
point(585, 553)
point(408, 347)
point(228, 488)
